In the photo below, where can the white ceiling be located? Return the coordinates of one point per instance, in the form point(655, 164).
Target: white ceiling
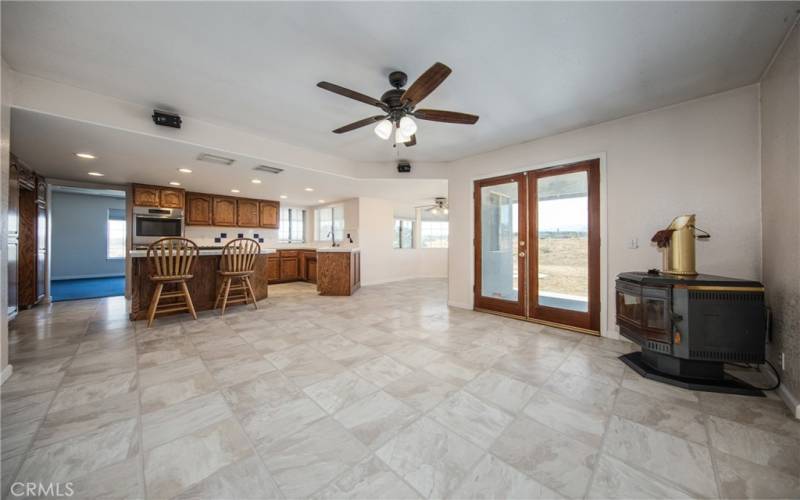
point(126, 157)
point(528, 69)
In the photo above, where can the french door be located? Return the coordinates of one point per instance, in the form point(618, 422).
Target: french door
point(500, 236)
point(549, 243)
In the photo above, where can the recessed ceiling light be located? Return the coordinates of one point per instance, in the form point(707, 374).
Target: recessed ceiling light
point(185, 170)
point(174, 183)
point(96, 174)
point(256, 181)
point(283, 196)
point(309, 189)
point(235, 191)
point(321, 201)
point(85, 156)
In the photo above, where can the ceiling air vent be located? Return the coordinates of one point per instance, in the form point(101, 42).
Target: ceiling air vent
point(215, 159)
point(267, 168)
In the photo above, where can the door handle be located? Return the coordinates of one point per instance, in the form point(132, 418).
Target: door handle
point(522, 254)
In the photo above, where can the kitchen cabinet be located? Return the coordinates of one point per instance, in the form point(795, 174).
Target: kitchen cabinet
point(198, 209)
point(145, 196)
point(269, 214)
point(339, 272)
point(224, 211)
point(289, 264)
point(273, 269)
point(247, 213)
point(308, 265)
point(156, 196)
point(170, 198)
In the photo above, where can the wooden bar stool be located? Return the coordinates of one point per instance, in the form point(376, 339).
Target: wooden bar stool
point(171, 260)
point(238, 261)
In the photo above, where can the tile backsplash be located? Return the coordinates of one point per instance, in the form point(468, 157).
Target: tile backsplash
point(206, 236)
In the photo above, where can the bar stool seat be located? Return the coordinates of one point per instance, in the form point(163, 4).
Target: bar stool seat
point(238, 261)
point(171, 260)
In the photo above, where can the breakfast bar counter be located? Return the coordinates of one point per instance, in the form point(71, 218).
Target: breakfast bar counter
point(203, 287)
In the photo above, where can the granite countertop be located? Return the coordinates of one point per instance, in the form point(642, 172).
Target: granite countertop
point(203, 252)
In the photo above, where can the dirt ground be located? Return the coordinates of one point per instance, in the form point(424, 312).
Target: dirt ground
point(563, 265)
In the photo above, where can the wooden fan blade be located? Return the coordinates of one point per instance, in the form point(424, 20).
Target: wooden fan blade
point(359, 124)
point(426, 84)
point(352, 94)
point(412, 142)
point(436, 115)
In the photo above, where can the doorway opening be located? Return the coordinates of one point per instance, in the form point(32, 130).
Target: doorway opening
point(537, 245)
point(88, 239)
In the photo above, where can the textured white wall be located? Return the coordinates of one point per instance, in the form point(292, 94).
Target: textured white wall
point(700, 156)
point(780, 192)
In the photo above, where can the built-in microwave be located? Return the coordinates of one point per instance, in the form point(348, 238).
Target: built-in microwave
point(151, 224)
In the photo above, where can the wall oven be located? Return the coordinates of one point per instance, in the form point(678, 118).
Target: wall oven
point(151, 224)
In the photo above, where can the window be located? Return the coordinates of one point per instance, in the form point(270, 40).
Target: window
point(292, 228)
point(329, 219)
point(115, 234)
point(403, 233)
point(433, 233)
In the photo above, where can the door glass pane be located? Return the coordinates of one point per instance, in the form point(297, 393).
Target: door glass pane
point(499, 241)
point(563, 225)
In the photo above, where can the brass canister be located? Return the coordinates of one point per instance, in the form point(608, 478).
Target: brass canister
point(679, 255)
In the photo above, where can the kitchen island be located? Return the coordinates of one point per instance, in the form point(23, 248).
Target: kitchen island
point(338, 270)
point(203, 287)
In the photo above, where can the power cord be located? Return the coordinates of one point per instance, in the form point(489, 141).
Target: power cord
point(777, 375)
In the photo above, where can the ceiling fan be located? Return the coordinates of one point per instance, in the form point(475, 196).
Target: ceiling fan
point(440, 206)
point(399, 105)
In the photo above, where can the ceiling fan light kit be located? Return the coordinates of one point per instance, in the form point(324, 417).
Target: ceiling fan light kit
point(400, 105)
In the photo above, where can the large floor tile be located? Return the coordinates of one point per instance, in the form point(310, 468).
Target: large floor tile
point(678, 420)
point(506, 392)
point(183, 418)
point(430, 458)
point(493, 478)
point(755, 445)
point(306, 461)
point(270, 389)
point(681, 462)
point(93, 389)
point(573, 418)
point(375, 418)
point(739, 478)
point(243, 480)
point(420, 390)
point(615, 479)
point(174, 382)
point(176, 465)
point(551, 458)
point(368, 480)
point(340, 391)
point(471, 418)
point(266, 424)
point(382, 371)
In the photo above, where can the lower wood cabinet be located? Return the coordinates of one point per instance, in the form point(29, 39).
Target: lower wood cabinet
point(292, 265)
point(273, 268)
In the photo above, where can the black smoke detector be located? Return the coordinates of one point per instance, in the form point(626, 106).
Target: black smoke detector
point(166, 119)
point(403, 166)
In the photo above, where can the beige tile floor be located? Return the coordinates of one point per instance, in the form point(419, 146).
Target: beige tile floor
point(386, 394)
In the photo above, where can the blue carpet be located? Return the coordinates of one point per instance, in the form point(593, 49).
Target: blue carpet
point(88, 288)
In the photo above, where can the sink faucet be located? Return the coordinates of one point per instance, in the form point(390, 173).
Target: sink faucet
point(333, 239)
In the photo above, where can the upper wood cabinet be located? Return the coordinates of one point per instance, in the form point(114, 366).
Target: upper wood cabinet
point(145, 196)
point(224, 211)
point(171, 198)
point(247, 212)
point(269, 214)
point(198, 209)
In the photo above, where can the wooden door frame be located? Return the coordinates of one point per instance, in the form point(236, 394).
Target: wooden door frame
point(518, 308)
point(582, 321)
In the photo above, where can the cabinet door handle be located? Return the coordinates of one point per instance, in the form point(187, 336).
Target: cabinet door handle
point(522, 254)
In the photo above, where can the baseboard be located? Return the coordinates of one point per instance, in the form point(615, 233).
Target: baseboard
point(460, 305)
point(6, 373)
point(791, 400)
point(404, 278)
point(87, 276)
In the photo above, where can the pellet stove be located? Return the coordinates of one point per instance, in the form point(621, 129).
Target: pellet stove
point(689, 325)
